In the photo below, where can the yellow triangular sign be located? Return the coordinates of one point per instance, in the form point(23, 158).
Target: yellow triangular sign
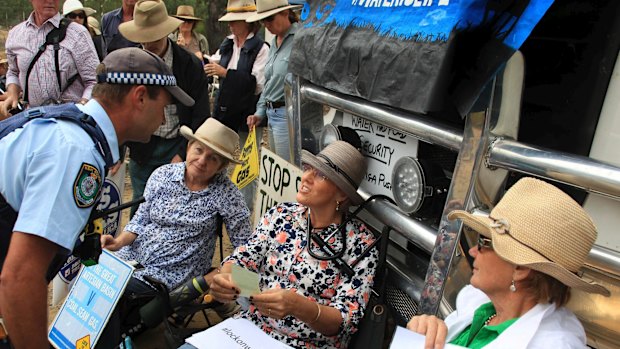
point(83, 343)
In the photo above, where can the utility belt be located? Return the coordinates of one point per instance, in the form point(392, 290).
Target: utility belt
point(274, 105)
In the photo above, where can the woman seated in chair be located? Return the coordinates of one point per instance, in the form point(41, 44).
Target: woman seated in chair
point(173, 233)
point(530, 249)
point(307, 302)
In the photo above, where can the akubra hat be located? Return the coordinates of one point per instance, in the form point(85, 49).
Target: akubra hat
point(266, 8)
point(342, 164)
point(186, 12)
point(150, 22)
point(75, 5)
point(538, 226)
point(238, 10)
point(94, 24)
point(215, 135)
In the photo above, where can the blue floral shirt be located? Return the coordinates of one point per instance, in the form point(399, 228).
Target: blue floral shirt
point(176, 227)
point(277, 251)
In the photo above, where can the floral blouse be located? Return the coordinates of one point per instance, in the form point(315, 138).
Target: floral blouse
point(277, 251)
point(176, 227)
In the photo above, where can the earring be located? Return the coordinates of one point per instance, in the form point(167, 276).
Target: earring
point(337, 205)
point(513, 288)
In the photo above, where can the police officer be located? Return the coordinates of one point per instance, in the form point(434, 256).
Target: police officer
point(51, 178)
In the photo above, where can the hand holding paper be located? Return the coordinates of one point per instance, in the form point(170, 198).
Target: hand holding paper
point(246, 281)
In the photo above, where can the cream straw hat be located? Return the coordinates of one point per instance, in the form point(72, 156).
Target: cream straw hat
point(216, 136)
point(266, 8)
point(150, 22)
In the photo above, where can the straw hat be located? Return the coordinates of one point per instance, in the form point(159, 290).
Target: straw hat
point(266, 8)
point(342, 164)
point(238, 10)
point(216, 136)
point(3, 58)
point(94, 24)
point(75, 5)
point(150, 22)
point(186, 12)
point(538, 226)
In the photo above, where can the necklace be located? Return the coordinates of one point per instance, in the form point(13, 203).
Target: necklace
point(486, 323)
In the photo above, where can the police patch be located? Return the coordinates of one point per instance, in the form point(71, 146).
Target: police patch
point(86, 186)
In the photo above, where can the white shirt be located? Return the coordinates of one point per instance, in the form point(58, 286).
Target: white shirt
point(542, 327)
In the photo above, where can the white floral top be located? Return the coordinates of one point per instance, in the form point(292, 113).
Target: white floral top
point(277, 251)
point(176, 226)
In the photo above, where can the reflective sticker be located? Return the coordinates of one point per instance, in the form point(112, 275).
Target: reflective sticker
point(86, 186)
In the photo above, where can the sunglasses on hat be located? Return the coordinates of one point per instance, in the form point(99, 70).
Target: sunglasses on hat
point(74, 15)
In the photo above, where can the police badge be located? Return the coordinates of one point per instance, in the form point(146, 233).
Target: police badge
point(86, 186)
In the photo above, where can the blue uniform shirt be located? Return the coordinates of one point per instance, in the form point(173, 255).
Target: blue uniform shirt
point(49, 174)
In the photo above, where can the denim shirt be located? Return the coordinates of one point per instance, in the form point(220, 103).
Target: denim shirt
point(109, 29)
point(275, 71)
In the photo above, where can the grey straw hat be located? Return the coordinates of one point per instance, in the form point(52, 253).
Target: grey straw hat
point(538, 226)
point(135, 66)
point(150, 22)
point(266, 8)
point(215, 135)
point(342, 164)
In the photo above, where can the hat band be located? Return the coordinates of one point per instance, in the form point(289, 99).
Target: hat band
point(337, 169)
point(137, 79)
point(275, 8)
point(248, 8)
point(501, 226)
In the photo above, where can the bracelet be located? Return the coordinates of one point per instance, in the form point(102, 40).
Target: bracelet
point(318, 315)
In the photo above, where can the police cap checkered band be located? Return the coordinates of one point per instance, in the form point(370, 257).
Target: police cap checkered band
point(135, 66)
point(137, 79)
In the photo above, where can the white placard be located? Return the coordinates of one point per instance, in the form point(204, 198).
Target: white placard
point(85, 312)
point(382, 146)
point(233, 334)
point(405, 339)
point(278, 182)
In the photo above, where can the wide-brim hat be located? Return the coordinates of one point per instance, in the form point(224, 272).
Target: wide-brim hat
point(266, 8)
point(215, 135)
point(94, 24)
point(75, 5)
point(186, 12)
point(150, 22)
point(238, 10)
point(135, 66)
point(538, 226)
point(344, 165)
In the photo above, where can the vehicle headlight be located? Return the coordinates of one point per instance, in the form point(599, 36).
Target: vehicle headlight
point(329, 135)
point(408, 184)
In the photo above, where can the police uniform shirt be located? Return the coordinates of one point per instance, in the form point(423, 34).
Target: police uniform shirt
point(52, 174)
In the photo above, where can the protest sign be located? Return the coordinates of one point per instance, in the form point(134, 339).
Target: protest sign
point(235, 333)
point(90, 303)
point(247, 171)
point(278, 182)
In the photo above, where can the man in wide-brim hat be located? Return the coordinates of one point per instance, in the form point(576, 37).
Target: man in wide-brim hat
point(151, 26)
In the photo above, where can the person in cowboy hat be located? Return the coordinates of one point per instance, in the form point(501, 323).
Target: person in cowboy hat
point(150, 27)
point(528, 256)
point(183, 202)
point(305, 301)
point(56, 176)
point(279, 18)
point(75, 11)
point(98, 39)
point(186, 36)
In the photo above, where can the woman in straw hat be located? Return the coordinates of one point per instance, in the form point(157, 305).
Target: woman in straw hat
point(173, 233)
point(95, 32)
point(75, 11)
point(241, 68)
point(186, 36)
point(279, 18)
point(529, 252)
point(307, 302)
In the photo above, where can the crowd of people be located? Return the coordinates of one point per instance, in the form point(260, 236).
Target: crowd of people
point(179, 153)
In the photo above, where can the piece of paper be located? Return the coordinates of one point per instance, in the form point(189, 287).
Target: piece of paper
point(246, 280)
point(213, 59)
point(234, 333)
point(405, 339)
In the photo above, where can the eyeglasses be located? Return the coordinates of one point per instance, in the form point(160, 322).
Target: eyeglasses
point(74, 15)
point(484, 242)
point(318, 175)
point(268, 19)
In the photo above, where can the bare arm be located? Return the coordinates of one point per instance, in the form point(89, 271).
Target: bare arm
point(23, 290)
point(116, 243)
